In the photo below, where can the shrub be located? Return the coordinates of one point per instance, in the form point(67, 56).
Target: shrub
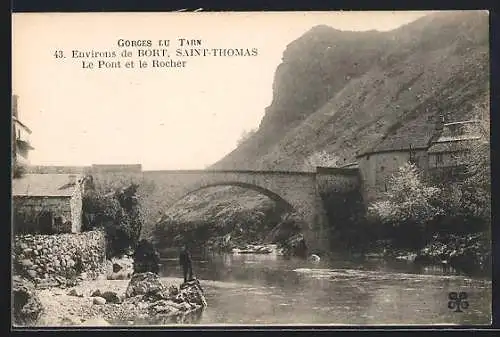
point(118, 214)
point(408, 199)
point(245, 135)
point(408, 207)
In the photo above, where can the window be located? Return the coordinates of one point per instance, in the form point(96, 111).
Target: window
point(382, 168)
point(439, 158)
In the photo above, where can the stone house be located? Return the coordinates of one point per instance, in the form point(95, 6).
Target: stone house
point(47, 203)
point(409, 144)
point(435, 147)
point(450, 149)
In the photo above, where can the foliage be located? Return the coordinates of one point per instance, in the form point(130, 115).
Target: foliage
point(245, 135)
point(408, 200)
point(476, 189)
point(415, 214)
point(467, 201)
point(118, 213)
point(470, 252)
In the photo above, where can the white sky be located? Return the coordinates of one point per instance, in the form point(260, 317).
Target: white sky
point(164, 119)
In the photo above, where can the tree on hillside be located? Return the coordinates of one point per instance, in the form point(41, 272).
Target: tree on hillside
point(245, 135)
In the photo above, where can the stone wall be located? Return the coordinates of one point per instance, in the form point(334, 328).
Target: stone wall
point(337, 180)
point(47, 257)
point(377, 168)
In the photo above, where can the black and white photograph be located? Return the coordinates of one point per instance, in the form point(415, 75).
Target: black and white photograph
point(191, 168)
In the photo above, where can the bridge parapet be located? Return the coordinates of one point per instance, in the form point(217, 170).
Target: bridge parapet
point(337, 180)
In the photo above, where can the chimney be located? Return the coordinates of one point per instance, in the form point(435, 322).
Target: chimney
point(440, 123)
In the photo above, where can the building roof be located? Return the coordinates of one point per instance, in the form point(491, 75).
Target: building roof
point(350, 165)
point(409, 136)
point(471, 121)
point(41, 169)
point(417, 134)
point(458, 138)
point(457, 145)
point(44, 185)
point(117, 167)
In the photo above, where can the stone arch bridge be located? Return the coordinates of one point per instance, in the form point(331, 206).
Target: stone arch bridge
point(297, 191)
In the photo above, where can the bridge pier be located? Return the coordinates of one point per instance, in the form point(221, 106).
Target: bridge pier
point(317, 234)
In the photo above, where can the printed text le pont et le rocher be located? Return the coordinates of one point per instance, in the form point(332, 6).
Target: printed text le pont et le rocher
point(143, 54)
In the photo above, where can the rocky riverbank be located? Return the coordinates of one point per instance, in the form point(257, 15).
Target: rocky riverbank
point(145, 299)
point(467, 253)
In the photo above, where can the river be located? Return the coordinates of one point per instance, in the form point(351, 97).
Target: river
point(270, 289)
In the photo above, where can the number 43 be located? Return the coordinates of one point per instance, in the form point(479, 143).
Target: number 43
point(58, 54)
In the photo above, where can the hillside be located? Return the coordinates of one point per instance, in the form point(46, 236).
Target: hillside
point(342, 93)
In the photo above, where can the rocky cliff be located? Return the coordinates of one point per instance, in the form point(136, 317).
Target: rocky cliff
point(341, 91)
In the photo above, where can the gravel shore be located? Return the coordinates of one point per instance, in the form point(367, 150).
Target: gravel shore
point(62, 309)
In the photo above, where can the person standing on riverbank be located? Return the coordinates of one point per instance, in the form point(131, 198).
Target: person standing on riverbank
point(186, 263)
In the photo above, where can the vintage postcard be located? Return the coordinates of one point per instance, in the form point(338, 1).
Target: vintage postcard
point(251, 168)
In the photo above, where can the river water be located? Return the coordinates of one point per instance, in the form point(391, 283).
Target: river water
point(269, 289)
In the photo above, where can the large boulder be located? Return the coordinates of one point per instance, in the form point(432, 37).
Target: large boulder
point(192, 292)
point(144, 284)
point(111, 297)
point(184, 305)
point(27, 307)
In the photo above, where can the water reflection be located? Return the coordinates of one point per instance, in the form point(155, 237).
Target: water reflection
point(268, 289)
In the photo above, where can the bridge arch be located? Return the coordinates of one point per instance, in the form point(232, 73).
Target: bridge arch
point(285, 205)
point(297, 191)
